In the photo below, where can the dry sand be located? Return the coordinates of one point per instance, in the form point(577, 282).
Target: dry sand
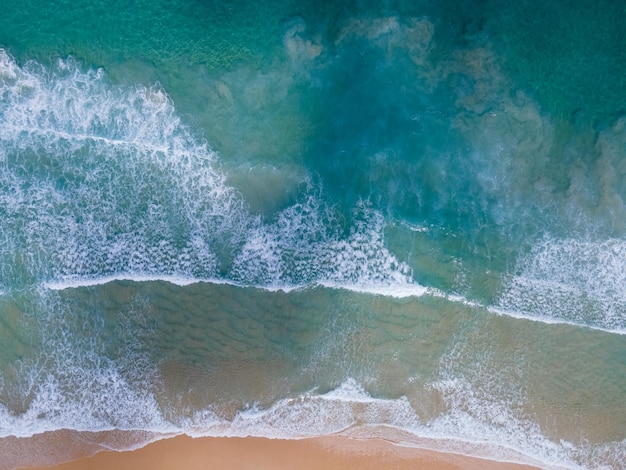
point(323, 453)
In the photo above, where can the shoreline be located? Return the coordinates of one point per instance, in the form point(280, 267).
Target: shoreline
point(315, 453)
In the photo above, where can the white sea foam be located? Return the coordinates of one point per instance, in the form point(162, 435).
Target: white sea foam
point(99, 401)
point(389, 290)
point(103, 400)
point(73, 283)
point(471, 426)
point(304, 244)
point(570, 281)
point(551, 321)
point(103, 182)
point(475, 424)
point(75, 385)
point(410, 290)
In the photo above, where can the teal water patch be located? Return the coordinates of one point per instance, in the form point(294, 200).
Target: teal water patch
point(408, 105)
point(162, 33)
point(570, 55)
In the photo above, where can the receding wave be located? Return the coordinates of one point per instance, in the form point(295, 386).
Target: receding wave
point(469, 428)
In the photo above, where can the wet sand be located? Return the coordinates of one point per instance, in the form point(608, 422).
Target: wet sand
point(322, 453)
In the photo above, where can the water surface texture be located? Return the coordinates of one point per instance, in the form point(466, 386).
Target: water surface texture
point(291, 219)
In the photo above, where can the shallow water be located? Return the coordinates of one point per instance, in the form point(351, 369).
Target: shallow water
point(297, 219)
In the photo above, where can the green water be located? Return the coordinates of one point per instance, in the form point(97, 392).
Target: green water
point(403, 214)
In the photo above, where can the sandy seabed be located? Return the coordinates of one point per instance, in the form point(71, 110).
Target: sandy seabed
point(252, 453)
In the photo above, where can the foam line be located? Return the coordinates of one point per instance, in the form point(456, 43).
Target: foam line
point(552, 320)
point(412, 290)
point(89, 137)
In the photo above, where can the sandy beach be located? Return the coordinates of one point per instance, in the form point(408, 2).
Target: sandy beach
point(327, 453)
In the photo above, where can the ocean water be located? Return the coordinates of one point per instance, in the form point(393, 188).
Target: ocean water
point(288, 219)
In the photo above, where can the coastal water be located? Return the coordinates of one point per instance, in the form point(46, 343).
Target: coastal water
point(291, 219)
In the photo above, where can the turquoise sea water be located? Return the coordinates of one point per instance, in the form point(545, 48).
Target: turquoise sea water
point(288, 219)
